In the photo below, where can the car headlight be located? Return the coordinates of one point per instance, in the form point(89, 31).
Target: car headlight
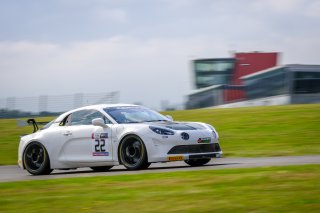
point(161, 131)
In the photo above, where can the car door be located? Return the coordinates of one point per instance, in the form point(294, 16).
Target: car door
point(83, 142)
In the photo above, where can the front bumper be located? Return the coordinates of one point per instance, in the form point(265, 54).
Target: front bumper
point(197, 151)
point(195, 148)
point(174, 148)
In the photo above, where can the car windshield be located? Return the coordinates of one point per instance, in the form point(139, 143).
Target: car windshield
point(134, 115)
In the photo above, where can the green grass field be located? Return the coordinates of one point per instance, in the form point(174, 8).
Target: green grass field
point(269, 189)
point(252, 131)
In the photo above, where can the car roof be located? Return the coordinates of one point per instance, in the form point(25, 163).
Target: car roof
point(97, 107)
point(102, 106)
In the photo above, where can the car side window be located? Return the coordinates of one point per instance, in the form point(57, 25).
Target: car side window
point(79, 117)
point(95, 114)
point(84, 117)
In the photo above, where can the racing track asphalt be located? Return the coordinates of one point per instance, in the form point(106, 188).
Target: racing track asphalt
point(14, 173)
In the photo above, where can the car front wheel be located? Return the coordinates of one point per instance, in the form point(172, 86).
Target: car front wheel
point(133, 153)
point(36, 159)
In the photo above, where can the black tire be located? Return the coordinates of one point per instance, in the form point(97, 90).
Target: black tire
point(133, 153)
point(36, 159)
point(197, 162)
point(146, 166)
point(101, 168)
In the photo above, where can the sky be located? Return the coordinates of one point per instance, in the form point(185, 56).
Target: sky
point(142, 48)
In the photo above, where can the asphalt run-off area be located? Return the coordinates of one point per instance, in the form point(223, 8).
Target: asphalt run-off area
point(14, 173)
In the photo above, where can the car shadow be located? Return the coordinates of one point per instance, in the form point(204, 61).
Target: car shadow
point(121, 170)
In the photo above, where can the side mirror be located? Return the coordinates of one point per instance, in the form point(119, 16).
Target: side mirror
point(99, 122)
point(170, 117)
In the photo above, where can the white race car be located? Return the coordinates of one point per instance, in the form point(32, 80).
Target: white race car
point(102, 136)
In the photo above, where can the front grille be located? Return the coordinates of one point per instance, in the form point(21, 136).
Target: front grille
point(198, 148)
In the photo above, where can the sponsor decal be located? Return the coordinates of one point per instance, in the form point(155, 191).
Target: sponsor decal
point(204, 140)
point(175, 158)
point(185, 136)
point(99, 135)
point(104, 135)
point(165, 136)
point(100, 153)
point(95, 135)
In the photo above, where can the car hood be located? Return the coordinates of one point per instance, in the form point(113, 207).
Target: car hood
point(179, 125)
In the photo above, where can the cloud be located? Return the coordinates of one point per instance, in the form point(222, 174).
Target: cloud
point(144, 52)
point(26, 47)
point(282, 6)
point(142, 70)
point(146, 71)
point(117, 15)
point(178, 4)
point(313, 9)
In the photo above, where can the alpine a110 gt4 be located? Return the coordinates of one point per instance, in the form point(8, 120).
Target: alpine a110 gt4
point(103, 136)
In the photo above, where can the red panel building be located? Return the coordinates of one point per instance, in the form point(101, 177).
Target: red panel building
point(245, 64)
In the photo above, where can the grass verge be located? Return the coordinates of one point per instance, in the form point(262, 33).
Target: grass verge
point(269, 189)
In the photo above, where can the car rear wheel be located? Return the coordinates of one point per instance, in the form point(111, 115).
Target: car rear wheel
point(36, 159)
point(101, 168)
point(197, 162)
point(133, 153)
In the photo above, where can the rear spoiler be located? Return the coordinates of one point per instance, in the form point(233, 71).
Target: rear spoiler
point(32, 122)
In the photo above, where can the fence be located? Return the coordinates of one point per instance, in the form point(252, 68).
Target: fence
point(56, 103)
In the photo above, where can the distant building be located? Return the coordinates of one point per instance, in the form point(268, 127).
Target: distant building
point(246, 64)
point(299, 83)
point(216, 71)
point(218, 80)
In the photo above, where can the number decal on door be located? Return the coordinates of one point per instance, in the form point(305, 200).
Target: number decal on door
point(99, 145)
point(100, 148)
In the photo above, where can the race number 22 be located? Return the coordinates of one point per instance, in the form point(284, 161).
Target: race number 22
point(100, 145)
